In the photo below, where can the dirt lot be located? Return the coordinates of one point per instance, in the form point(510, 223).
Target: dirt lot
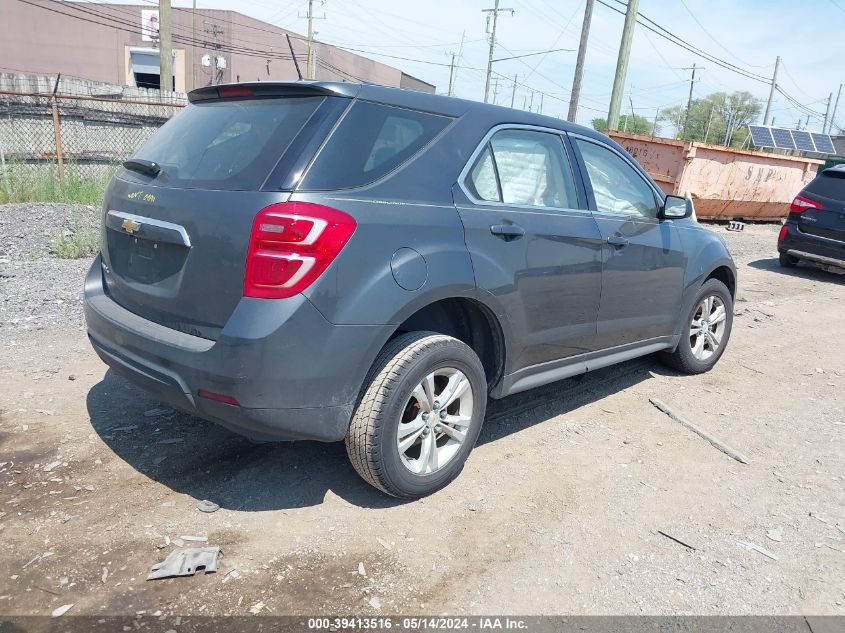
point(557, 510)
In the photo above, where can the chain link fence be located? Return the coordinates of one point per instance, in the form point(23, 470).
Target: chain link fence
point(56, 146)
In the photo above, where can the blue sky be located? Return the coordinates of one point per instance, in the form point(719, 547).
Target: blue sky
point(748, 34)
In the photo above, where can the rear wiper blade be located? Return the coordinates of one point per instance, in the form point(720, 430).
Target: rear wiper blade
point(142, 166)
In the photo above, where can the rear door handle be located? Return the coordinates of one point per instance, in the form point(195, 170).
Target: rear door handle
point(507, 232)
point(617, 240)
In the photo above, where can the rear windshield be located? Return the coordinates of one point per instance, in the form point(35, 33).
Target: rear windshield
point(230, 145)
point(830, 184)
point(372, 140)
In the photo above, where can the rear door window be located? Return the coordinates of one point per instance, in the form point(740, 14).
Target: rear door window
point(371, 141)
point(230, 145)
point(525, 168)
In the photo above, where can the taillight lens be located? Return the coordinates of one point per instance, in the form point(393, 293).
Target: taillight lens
point(783, 231)
point(801, 204)
point(291, 244)
point(234, 92)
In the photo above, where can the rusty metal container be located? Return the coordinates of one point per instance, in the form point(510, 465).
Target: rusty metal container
point(725, 183)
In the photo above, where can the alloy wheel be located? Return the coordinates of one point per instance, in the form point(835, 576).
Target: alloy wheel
point(707, 327)
point(435, 421)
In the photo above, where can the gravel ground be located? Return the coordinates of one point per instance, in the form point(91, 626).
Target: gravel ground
point(559, 509)
point(38, 290)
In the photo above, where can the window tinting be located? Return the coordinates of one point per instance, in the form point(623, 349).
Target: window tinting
point(533, 169)
point(616, 186)
point(481, 180)
point(371, 140)
point(229, 145)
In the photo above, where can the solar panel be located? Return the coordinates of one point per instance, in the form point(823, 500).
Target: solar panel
point(783, 138)
point(823, 143)
point(803, 140)
point(761, 136)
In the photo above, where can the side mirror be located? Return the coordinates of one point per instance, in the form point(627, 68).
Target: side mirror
point(675, 208)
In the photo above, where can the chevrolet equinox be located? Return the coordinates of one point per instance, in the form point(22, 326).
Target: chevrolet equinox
point(330, 261)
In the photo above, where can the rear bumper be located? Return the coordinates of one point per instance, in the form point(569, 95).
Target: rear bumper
point(821, 250)
point(294, 374)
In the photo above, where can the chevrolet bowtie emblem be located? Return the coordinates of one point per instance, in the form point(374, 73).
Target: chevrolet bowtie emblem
point(130, 226)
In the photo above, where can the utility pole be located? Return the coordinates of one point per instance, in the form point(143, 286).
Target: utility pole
point(451, 75)
point(542, 94)
point(835, 108)
point(531, 102)
point(654, 125)
point(193, 45)
point(165, 47)
point(495, 11)
point(772, 92)
point(622, 65)
point(513, 93)
point(689, 103)
point(310, 61)
point(495, 89)
point(827, 112)
point(579, 62)
point(311, 66)
point(709, 121)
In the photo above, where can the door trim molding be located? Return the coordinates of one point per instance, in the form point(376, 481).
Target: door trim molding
point(552, 371)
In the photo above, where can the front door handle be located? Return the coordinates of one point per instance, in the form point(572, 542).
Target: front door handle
point(617, 240)
point(507, 232)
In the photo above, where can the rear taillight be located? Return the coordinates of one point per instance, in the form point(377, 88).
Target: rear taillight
point(801, 204)
point(291, 244)
point(783, 231)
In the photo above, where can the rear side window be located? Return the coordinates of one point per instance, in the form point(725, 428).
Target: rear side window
point(371, 140)
point(230, 145)
point(830, 184)
point(525, 168)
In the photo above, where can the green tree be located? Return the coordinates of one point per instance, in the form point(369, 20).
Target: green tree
point(635, 124)
point(710, 116)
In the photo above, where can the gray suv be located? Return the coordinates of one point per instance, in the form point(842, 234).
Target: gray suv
point(331, 261)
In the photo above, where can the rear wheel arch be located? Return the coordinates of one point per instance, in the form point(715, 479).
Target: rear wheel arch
point(467, 320)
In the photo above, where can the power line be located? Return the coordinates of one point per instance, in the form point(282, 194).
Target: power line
point(652, 26)
point(717, 42)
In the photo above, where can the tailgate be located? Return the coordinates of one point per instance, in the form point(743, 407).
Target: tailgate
point(177, 229)
point(177, 256)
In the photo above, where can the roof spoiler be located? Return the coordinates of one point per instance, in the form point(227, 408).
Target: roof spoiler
point(271, 89)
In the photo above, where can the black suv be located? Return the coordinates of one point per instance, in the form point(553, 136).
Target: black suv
point(815, 228)
point(334, 261)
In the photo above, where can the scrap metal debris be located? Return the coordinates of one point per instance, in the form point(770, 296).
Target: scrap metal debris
point(62, 610)
point(775, 534)
point(757, 548)
point(186, 562)
point(207, 506)
point(727, 450)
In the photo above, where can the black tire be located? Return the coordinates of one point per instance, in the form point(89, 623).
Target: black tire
point(683, 359)
point(787, 261)
point(372, 435)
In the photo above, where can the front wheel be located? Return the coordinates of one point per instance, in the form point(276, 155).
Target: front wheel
point(419, 416)
point(706, 331)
